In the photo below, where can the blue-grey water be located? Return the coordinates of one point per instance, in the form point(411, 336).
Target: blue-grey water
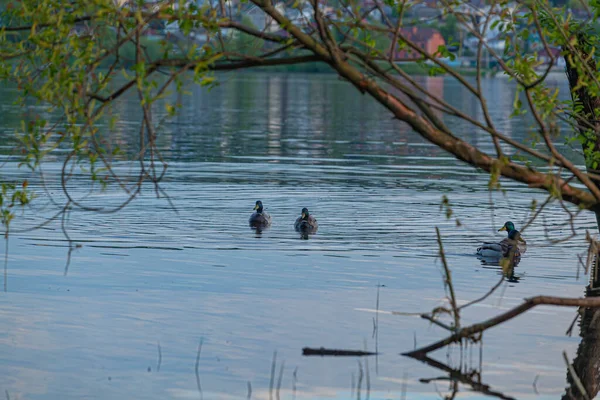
point(147, 276)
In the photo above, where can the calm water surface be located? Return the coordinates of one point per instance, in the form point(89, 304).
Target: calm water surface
point(147, 275)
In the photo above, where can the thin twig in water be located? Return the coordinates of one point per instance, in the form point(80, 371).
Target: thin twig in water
point(535, 384)
point(367, 376)
point(159, 357)
point(66, 272)
point(403, 388)
point(480, 354)
point(249, 391)
point(377, 330)
point(448, 280)
point(360, 377)
point(579, 265)
point(279, 379)
point(352, 384)
point(376, 324)
point(6, 262)
point(295, 375)
point(63, 226)
point(576, 379)
point(374, 328)
point(196, 369)
point(569, 331)
point(7, 395)
point(273, 364)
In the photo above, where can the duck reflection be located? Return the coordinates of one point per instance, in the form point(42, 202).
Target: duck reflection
point(504, 267)
point(305, 235)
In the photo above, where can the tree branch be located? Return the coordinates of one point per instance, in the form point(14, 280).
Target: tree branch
point(528, 304)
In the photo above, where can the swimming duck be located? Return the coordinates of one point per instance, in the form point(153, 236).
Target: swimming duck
point(306, 222)
point(259, 219)
point(504, 247)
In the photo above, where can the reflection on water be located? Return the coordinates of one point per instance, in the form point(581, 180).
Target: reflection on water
point(508, 269)
point(469, 377)
point(585, 372)
point(147, 275)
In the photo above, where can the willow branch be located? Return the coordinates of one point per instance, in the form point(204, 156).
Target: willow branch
point(583, 178)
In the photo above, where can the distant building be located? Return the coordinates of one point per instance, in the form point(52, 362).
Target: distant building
point(428, 39)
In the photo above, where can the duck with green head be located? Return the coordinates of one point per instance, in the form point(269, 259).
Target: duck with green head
point(306, 222)
point(513, 243)
point(259, 219)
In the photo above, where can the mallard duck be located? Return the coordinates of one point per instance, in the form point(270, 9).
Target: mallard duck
point(503, 248)
point(259, 219)
point(306, 222)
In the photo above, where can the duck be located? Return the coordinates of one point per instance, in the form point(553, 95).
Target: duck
point(306, 222)
point(259, 218)
point(503, 248)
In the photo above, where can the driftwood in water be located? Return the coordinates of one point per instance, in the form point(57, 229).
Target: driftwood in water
point(307, 351)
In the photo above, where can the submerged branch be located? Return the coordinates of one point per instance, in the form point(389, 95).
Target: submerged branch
point(307, 351)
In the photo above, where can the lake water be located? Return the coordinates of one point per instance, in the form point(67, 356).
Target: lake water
point(148, 285)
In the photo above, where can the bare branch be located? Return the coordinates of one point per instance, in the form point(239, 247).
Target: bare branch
point(528, 304)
